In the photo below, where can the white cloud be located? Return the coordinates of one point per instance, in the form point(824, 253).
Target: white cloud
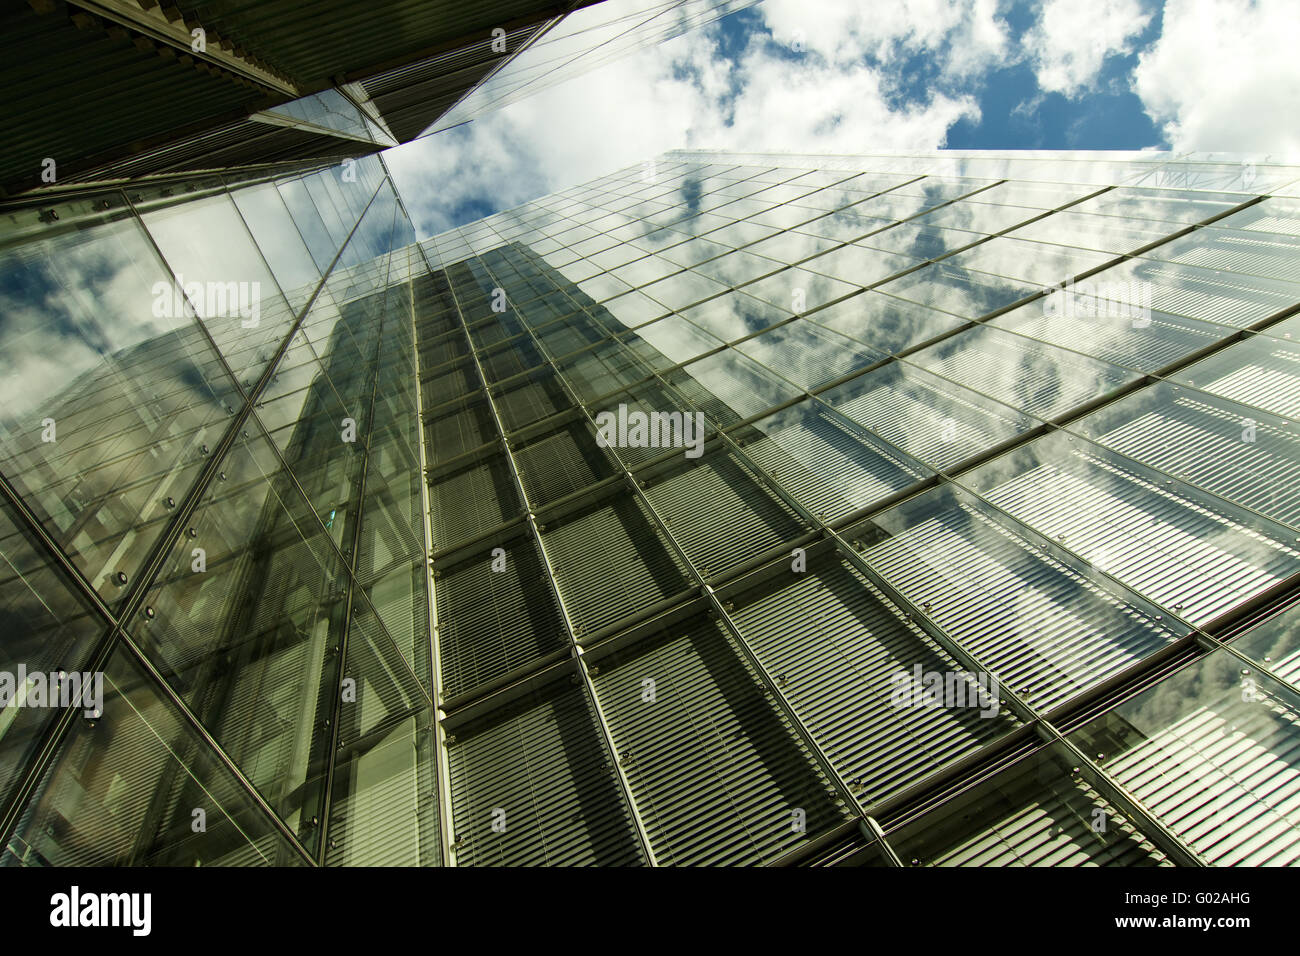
point(1225, 75)
point(1070, 41)
point(675, 95)
point(966, 34)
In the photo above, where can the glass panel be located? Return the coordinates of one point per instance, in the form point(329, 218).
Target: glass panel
point(610, 562)
point(496, 612)
point(48, 630)
point(223, 276)
point(1209, 294)
point(1037, 812)
point(844, 657)
point(884, 322)
point(830, 466)
point(245, 620)
point(1261, 372)
point(560, 461)
point(505, 817)
point(113, 396)
point(964, 292)
point(860, 265)
point(382, 813)
point(469, 498)
point(1044, 381)
point(1121, 330)
point(716, 770)
point(919, 240)
point(675, 340)
point(1237, 452)
point(1043, 623)
point(928, 418)
point(1037, 263)
point(1275, 645)
point(330, 110)
point(1210, 750)
point(807, 354)
point(279, 241)
point(721, 513)
point(1088, 231)
point(799, 290)
point(731, 386)
point(1192, 553)
point(683, 289)
point(127, 789)
point(1180, 207)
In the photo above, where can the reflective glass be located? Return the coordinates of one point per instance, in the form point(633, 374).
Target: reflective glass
point(1207, 750)
point(114, 397)
point(128, 788)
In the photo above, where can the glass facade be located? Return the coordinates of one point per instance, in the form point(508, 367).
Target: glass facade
point(727, 510)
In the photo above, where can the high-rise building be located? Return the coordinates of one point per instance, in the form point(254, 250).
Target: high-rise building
point(935, 509)
point(118, 89)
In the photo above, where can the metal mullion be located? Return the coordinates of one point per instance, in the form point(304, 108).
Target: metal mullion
point(872, 829)
point(568, 623)
point(349, 564)
point(816, 524)
point(291, 476)
point(770, 685)
point(1051, 733)
point(913, 613)
point(720, 613)
point(574, 648)
point(968, 324)
point(779, 232)
point(952, 476)
point(1151, 826)
point(115, 637)
point(885, 357)
point(190, 502)
point(99, 653)
point(442, 767)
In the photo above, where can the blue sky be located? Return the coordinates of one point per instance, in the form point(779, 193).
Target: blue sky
point(844, 76)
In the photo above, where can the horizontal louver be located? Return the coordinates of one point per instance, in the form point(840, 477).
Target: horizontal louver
point(532, 784)
point(1158, 539)
point(611, 561)
point(718, 775)
point(1043, 628)
point(496, 613)
point(721, 513)
point(840, 652)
